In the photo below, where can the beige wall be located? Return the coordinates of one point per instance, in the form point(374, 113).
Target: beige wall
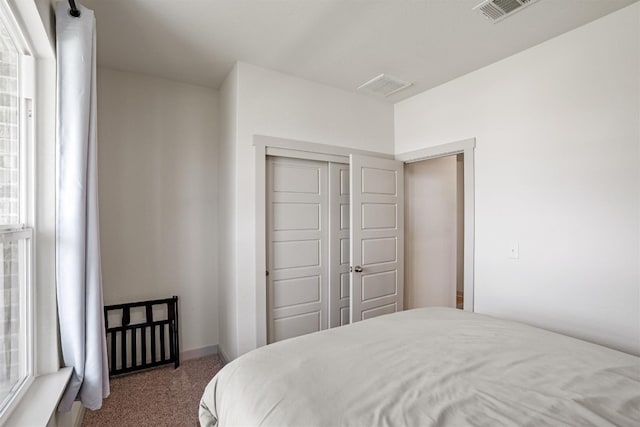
point(157, 159)
point(557, 169)
point(431, 222)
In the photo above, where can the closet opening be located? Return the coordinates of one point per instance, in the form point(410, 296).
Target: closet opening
point(334, 242)
point(434, 232)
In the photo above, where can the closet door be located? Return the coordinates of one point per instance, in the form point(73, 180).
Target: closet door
point(297, 252)
point(377, 236)
point(339, 244)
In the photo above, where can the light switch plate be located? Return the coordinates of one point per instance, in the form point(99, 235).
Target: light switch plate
point(514, 250)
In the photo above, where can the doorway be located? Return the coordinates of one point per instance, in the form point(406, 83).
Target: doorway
point(434, 232)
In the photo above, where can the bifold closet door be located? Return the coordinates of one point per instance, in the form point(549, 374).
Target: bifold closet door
point(297, 249)
point(377, 236)
point(339, 244)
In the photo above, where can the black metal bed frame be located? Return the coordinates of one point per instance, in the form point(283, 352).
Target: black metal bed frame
point(147, 334)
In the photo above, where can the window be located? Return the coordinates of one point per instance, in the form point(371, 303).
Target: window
point(16, 207)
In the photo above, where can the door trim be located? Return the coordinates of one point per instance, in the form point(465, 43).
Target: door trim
point(309, 150)
point(467, 148)
point(265, 145)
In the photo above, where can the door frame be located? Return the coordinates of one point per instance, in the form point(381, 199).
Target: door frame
point(467, 148)
point(283, 147)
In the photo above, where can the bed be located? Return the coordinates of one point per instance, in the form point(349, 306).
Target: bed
point(433, 366)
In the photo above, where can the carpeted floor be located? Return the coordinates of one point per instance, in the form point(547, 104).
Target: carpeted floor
point(160, 397)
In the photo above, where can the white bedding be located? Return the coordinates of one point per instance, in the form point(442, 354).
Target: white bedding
point(422, 367)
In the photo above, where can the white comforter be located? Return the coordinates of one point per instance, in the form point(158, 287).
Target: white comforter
point(427, 367)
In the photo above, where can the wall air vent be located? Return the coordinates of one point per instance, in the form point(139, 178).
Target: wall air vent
point(497, 10)
point(384, 85)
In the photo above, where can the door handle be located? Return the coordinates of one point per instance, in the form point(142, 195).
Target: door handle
point(356, 269)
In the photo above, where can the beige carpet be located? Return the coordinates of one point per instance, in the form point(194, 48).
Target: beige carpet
point(159, 397)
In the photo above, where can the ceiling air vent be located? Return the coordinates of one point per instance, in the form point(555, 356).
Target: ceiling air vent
point(497, 10)
point(384, 85)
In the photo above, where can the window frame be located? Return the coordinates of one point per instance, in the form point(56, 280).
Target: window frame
point(25, 228)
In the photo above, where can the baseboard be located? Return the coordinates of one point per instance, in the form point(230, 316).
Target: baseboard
point(80, 417)
point(223, 356)
point(71, 418)
point(197, 353)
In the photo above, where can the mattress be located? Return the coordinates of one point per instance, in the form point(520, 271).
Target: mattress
point(433, 366)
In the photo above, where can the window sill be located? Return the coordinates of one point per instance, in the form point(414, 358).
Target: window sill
point(41, 399)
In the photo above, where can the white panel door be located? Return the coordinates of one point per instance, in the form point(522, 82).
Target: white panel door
point(297, 249)
point(339, 244)
point(377, 236)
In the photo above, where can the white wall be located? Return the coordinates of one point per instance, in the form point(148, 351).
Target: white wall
point(557, 170)
point(430, 233)
point(227, 223)
point(276, 104)
point(157, 160)
point(39, 23)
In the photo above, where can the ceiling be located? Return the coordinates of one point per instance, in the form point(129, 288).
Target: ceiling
point(341, 43)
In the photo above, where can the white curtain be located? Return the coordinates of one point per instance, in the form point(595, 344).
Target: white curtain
point(78, 272)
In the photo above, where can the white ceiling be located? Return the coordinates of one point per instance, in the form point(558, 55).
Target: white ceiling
point(341, 43)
